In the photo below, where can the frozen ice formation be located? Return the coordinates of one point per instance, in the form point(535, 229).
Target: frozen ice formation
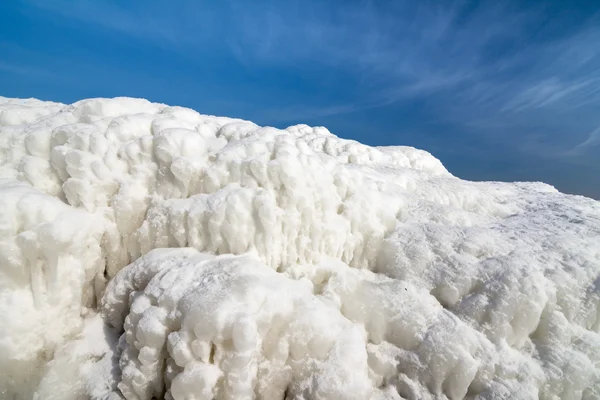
point(149, 251)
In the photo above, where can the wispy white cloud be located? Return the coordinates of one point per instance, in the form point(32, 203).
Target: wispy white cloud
point(547, 93)
point(397, 50)
point(490, 67)
point(412, 50)
point(592, 141)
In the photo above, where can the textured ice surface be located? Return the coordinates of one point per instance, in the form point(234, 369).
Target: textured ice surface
point(150, 251)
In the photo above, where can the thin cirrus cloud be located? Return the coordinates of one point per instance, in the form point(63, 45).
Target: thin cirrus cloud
point(397, 52)
point(592, 141)
point(402, 50)
point(431, 51)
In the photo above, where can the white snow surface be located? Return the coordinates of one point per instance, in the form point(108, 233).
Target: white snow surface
point(149, 251)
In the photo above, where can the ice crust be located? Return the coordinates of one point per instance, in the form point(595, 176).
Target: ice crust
point(149, 251)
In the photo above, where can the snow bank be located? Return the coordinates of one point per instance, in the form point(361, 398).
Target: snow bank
point(150, 251)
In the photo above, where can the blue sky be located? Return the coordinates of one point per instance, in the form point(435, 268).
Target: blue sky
point(497, 90)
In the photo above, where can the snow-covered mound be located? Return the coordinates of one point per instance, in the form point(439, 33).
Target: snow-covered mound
point(149, 251)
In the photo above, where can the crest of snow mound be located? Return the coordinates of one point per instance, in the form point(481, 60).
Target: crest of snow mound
point(301, 265)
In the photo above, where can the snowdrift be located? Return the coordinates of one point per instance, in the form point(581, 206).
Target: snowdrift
point(148, 251)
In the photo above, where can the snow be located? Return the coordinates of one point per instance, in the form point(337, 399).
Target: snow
point(151, 251)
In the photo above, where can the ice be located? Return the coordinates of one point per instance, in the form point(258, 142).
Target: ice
point(148, 251)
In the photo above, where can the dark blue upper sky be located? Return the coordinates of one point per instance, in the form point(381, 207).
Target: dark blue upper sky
point(496, 90)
